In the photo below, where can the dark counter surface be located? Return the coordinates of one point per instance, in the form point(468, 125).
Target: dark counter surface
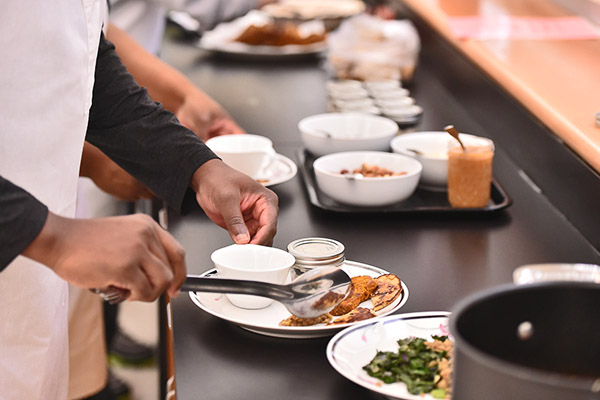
point(441, 259)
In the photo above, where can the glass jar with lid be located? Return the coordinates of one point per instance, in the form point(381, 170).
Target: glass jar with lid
point(315, 252)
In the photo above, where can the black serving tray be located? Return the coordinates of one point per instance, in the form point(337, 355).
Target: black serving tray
point(422, 201)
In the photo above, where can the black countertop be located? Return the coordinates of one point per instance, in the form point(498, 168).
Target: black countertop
point(441, 258)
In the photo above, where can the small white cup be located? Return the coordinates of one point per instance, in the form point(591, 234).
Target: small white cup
point(249, 154)
point(254, 263)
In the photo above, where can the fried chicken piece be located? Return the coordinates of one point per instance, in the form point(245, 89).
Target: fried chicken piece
point(358, 314)
point(362, 288)
point(292, 320)
point(388, 290)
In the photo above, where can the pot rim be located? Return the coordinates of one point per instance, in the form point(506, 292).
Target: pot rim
point(535, 375)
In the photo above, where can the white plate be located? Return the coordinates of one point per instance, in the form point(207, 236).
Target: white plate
point(282, 170)
point(266, 321)
point(354, 347)
point(222, 40)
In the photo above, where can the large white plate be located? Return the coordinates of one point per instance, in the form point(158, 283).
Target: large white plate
point(221, 40)
point(354, 347)
point(282, 170)
point(266, 321)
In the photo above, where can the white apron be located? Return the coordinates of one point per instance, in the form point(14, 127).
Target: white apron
point(47, 67)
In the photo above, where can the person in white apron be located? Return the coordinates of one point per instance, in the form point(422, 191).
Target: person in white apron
point(46, 80)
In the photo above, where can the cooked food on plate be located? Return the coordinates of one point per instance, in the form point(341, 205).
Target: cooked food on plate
point(278, 35)
point(296, 321)
point(373, 171)
point(382, 291)
point(358, 314)
point(388, 290)
point(424, 366)
point(361, 290)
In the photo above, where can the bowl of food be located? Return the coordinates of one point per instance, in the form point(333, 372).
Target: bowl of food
point(367, 178)
point(431, 150)
point(352, 131)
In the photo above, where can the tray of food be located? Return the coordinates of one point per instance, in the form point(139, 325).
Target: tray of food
point(422, 200)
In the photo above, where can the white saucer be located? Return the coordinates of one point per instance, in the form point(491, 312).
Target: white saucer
point(281, 170)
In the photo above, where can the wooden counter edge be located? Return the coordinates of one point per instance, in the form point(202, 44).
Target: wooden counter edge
point(577, 140)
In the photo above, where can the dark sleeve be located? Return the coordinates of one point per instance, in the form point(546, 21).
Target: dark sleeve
point(139, 135)
point(22, 218)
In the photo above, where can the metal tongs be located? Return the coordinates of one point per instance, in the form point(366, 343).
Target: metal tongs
point(313, 293)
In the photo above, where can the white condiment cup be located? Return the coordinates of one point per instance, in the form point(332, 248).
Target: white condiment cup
point(253, 263)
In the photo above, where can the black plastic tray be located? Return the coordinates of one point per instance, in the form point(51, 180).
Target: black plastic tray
point(422, 201)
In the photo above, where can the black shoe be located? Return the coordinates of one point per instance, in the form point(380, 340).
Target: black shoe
point(115, 389)
point(124, 350)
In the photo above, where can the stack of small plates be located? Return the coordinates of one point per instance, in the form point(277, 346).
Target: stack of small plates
point(386, 97)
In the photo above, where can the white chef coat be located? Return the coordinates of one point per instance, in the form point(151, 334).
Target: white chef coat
point(49, 51)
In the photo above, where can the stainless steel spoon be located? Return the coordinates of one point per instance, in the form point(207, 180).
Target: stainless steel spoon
point(313, 293)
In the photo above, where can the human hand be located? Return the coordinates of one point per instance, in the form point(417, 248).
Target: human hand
point(109, 177)
point(205, 117)
point(129, 252)
point(236, 202)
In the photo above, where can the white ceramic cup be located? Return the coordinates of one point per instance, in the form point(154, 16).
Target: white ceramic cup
point(254, 263)
point(249, 154)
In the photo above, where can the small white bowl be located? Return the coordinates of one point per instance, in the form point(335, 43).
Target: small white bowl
point(253, 263)
point(434, 158)
point(382, 85)
point(335, 132)
point(363, 191)
point(395, 93)
point(396, 103)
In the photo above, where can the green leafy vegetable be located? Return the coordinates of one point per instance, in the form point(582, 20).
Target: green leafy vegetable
point(415, 364)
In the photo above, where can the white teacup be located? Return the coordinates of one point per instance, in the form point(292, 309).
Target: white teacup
point(254, 263)
point(249, 154)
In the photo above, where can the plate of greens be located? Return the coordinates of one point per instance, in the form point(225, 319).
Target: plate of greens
point(403, 356)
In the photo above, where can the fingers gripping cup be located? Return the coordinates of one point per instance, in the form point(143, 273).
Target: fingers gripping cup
point(249, 154)
point(470, 172)
point(254, 263)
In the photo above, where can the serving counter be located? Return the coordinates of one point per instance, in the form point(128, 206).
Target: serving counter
point(441, 258)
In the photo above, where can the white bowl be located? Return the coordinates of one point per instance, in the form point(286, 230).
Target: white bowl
point(434, 146)
point(348, 132)
point(253, 263)
point(363, 191)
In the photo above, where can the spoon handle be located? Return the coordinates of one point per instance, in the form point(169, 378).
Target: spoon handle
point(235, 286)
point(454, 133)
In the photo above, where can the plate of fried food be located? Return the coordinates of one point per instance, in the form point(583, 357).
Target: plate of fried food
point(258, 34)
point(402, 356)
point(375, 293)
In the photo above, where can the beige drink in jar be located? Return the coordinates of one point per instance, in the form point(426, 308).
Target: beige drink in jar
point(470, 173)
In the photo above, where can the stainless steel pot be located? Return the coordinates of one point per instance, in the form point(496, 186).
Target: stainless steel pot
point(529, 342)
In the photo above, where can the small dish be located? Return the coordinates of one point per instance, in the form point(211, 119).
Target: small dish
point(349, 350)
point(281, 170)
point(336, 132)
point(433, 148)
point(359, 190)
point(255, 263)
